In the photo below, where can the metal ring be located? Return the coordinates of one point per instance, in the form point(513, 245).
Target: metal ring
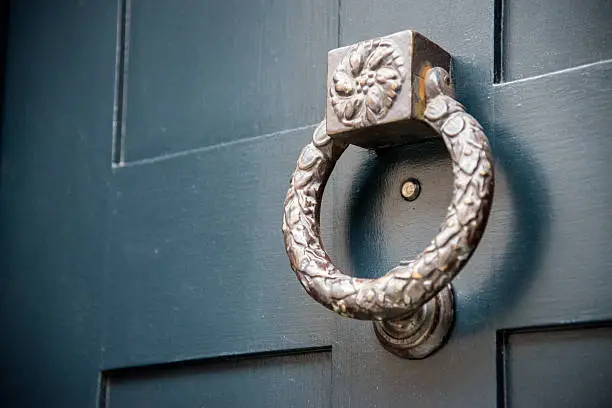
point(406, 288)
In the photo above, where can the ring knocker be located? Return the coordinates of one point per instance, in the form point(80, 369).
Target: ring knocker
point(384, 92)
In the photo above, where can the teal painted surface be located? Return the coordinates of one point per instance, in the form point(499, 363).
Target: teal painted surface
point(292, 380)
point(567, 359)
point(571, 34)
point(54, 201)
point(239, 69)
point(170, 267)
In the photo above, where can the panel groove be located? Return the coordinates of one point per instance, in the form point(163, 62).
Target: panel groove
point(498, 43)
point(501, 346)
point(554, 73)
point(121, 76)
point(204, 149)
point(339, 22)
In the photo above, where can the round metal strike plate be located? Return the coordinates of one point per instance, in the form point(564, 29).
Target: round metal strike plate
point(412, 304)
point(422, 333)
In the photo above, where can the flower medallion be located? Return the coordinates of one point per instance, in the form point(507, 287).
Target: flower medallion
point(366, 82)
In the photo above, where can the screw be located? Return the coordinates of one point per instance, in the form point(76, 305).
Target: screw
point(411, 189)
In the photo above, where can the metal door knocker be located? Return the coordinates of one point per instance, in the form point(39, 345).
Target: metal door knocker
point(383, 92)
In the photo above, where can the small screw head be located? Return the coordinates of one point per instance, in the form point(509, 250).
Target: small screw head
point(411, 189)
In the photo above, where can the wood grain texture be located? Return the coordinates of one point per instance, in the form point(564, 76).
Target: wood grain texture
point(202, 73)
point(550, 35)
point(559, 128)
point(198, 264)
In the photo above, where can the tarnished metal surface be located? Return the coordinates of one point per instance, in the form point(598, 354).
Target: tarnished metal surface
point(366, 82)
point(405, 288)
point(375, 89)
point(423, 332)
point(398, 297)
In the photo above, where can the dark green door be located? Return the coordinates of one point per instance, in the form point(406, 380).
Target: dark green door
point(146, 151)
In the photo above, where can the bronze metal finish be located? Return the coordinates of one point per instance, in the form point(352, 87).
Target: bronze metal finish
point(378, 92)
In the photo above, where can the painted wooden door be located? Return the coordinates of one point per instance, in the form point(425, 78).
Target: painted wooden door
point(146, 152)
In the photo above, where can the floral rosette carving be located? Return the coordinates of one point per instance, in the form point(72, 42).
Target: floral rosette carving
point(366, 82)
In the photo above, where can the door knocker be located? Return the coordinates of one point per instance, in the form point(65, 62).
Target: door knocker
point(384, 92)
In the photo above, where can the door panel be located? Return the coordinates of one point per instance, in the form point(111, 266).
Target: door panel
point(550, 35)
point(197, 269)
point(563, 355)
point(559, 127)
point(198, 73)
point(294, 380)
point(147, 149)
